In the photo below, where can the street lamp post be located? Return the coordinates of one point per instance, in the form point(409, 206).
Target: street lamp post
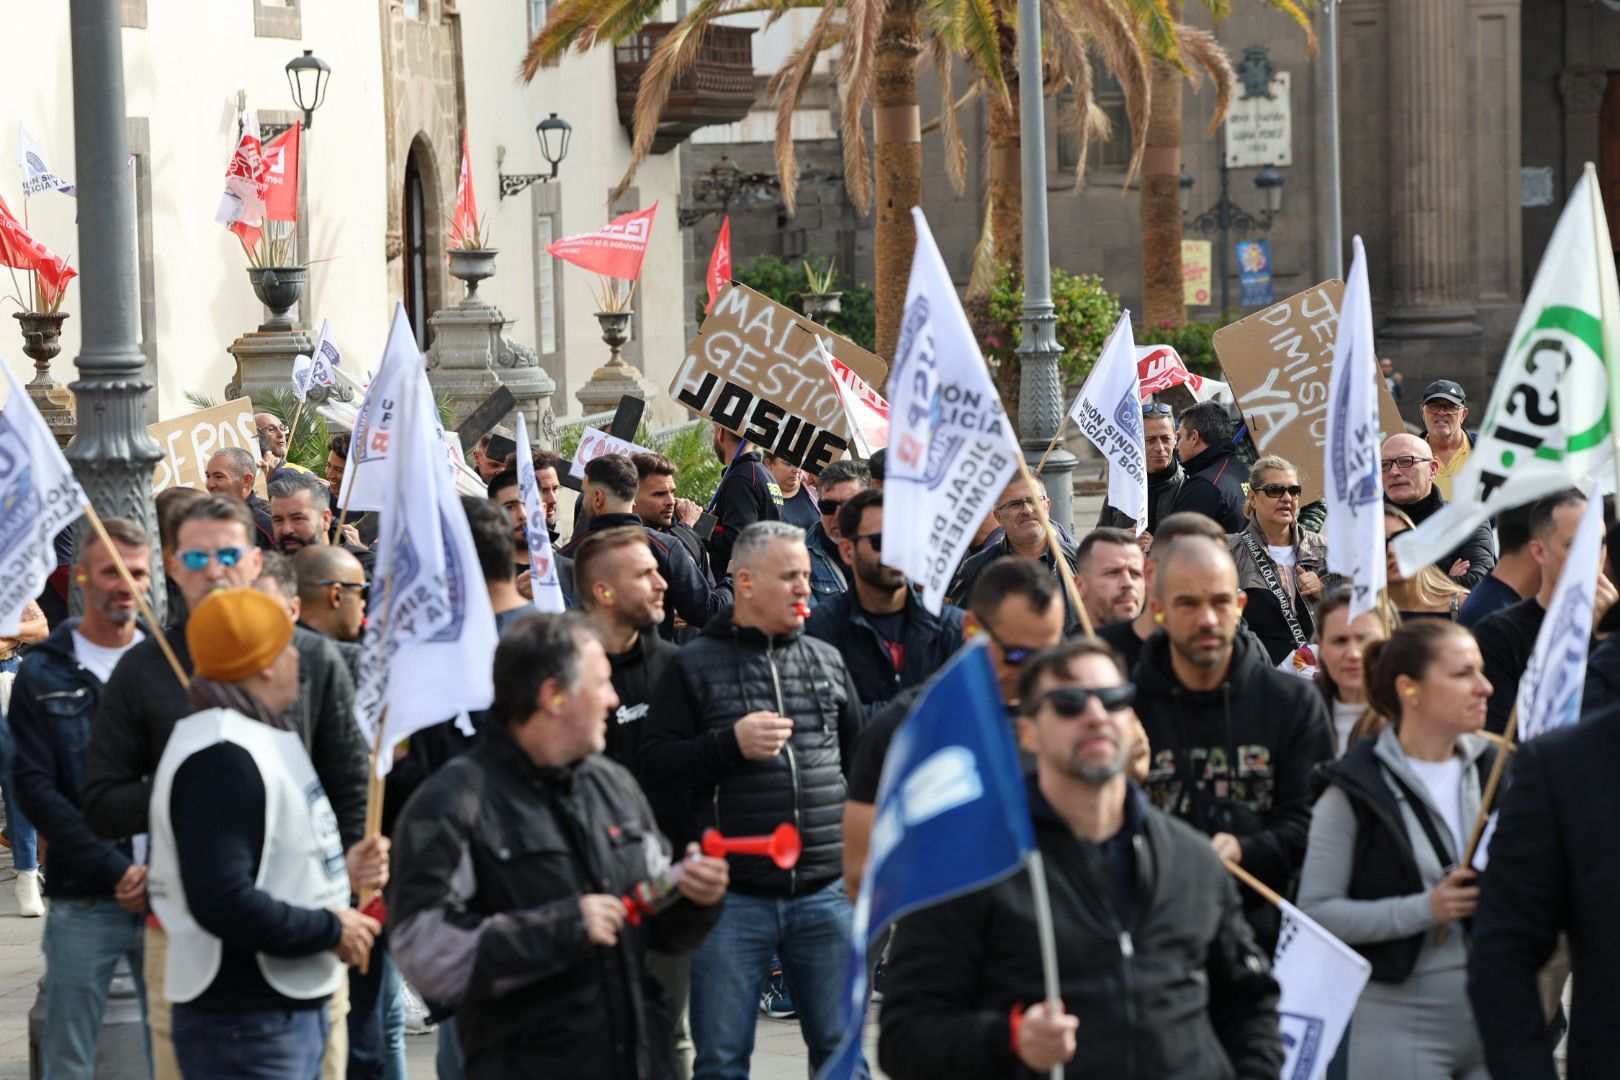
point(112, 455)
point(307, 76)
point(1040, 390)
point(553, 133)
point(1228, 217)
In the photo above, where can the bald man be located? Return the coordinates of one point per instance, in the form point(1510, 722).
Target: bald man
point(1234, 740)
point(1409, 471)
point(332, 589)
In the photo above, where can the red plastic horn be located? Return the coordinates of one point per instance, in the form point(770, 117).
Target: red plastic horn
point(782, 847)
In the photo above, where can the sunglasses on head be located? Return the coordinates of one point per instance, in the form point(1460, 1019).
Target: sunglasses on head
point(198, 559)
point(1070, 702)
point(1157, 408)
point(1277, 491)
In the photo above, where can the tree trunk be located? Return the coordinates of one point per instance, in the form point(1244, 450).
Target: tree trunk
point(1162, 290)
point(897, 152)
point(1006, 193)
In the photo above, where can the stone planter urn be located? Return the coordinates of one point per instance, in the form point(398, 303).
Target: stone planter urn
point(473, 265)
point(616, 333)
point(42, 343)
point(817, 306)
point(614, 379)
point(278, 288)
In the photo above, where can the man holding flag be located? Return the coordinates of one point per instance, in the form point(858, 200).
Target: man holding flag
point(1156, 965)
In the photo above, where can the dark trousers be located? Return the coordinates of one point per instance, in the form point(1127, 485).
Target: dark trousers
point(268, 1044)
point(368, 1040)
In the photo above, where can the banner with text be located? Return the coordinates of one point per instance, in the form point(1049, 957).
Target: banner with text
point(189, 441)
point(1279, 362)
point(595, 443)
point(755, 370)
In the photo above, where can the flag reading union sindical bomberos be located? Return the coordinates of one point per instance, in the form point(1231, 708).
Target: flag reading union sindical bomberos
point(951, 448)
point(1108, 411)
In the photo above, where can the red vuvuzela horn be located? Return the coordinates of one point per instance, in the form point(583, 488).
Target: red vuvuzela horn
point(782, 847)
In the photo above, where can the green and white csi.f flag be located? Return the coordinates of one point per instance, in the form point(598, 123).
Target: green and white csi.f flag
point(1552, 418)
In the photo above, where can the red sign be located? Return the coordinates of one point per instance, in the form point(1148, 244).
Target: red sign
point(615, 250)
point(719, 263)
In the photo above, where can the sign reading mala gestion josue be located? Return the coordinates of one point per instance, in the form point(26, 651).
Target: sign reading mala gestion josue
point(754, 369)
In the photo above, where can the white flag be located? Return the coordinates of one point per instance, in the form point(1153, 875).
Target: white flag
point(430, 634)
point(1354, 482)
point(38, 499)
point(1550, 689)
point(951, 449)
point(37, 177)
point(319, 367)
point(366, 474)
point(548, 594)
point(1108, 411)
point(1321, 979)
point(865, 412)
point(1552, 418)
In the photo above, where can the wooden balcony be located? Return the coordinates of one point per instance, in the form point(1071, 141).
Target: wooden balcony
point(719, 89)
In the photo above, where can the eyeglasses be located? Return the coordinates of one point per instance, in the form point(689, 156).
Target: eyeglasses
point(1011, 655)
point(1070, 702)
point(1405, 461)
point(276, 427)
point(1440, 405)
point(1157, 408)
point(1019, 504)
point(875, 539)
point(829, 507)
point(198, 559)
point(1277, 491)
point(365, 590)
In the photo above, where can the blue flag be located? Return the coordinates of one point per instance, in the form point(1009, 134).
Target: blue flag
point(951, 784)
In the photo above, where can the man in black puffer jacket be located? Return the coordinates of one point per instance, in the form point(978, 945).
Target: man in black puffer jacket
point(1234, 740)
point(758, 722)
point(1214, 474)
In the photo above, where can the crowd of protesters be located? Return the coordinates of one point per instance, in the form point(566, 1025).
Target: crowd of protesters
point(200, 788)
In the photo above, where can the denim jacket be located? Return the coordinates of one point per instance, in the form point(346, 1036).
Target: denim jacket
point(827, 575)
point(53, 705)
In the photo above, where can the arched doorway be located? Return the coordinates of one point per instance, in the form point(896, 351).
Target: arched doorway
point(423, 249)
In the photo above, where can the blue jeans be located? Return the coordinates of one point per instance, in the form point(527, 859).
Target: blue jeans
point(393, 999)
point(447, 1060)
point(83, 942)
point(266, 1044)
point(24, 840)
point(811, 935)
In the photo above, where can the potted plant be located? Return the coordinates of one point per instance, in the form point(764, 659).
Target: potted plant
point(41, 318)
point(820, 300)
point(471, 258)
point(613, 312)
point(276, 281)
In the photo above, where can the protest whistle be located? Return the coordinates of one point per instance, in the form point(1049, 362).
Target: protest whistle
point(802, 610)
point(782, 847)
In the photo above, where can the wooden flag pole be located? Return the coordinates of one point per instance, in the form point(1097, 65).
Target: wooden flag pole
point(1485, 800)
point(1064, 572)
point(292, 428)
point(140, 595)
point(1062, 427)
point(1253, 882)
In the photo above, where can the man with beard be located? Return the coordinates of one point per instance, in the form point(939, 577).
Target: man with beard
point(546, 480)
point(829, 573)
point(1445, 408)
point(1108, 569)
point(301, 517)
point(747, 493)
point(1234, 740)
point(1214, 476)
point(1022, 534)
point(660, 508)
point(1409, 470)
point(888, 639)
point(1159, 971)
point(97, 887)
point(337, 459)
point(1164, 473)
point(505, 493)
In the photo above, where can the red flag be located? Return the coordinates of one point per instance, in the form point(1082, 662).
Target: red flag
point(1159, 367)
point(21, 250)
point(464, 226)
point(615, 250)
point(719, 263)
point(281, 176)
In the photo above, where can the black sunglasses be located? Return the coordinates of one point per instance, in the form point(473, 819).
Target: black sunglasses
point(1277, 491)
point(875, 539)
point(365, 590)
point(1011, 655)
point(1070, 702)
point(829, 507)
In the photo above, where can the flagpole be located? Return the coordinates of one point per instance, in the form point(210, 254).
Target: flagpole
point(1044, 931)
point(1070, 586)
point(1063, 426)
point(1491, 784)
point(1253, 882)
point(292, 428)
point(140, 594)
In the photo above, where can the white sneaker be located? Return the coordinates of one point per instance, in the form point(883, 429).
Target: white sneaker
point(29, 904)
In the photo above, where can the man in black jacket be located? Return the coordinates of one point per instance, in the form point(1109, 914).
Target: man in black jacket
point(747, 493)
point(1233, 739)
point(758, 722)
point(510, 864)
point(660, 508)
point(1214, 474)
point(231, 472)
point(1157, 967)
point(1165, 474)
point(1552, 872)
point(1022, 534)
point(609, 495)
point(888, 640)
point(97, 889)
point(1409, 471)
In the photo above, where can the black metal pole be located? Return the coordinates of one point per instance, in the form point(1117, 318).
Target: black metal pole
point(1226, 237)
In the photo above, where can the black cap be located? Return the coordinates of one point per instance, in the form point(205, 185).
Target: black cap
point(1445, 388)
point(876, 462)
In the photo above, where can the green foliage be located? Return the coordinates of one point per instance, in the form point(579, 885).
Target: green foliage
point(1193, 342)
point(1086, 314)
point(697, 470)
point(785, 282)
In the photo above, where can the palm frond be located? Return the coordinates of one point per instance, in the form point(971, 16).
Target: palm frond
point(983, 277)
point(1295, 9)
point(1123, 54)
point(937, 53)
point(970, 95)
point(621, 18)
point(1071, 66)
point(1157, 25)
point(1205, 52)
point(789, 85)
point(980, 28)
point(566, 27)
point(857, 69)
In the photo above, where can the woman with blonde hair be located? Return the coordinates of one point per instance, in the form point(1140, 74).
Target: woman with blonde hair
point(1382, 861)
point(1280, 564)
point(1340, 664)
point(1428, 594)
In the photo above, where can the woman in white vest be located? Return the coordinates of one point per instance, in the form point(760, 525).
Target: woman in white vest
point(248, 875)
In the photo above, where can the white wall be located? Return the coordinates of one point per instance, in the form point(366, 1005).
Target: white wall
point(182, 73)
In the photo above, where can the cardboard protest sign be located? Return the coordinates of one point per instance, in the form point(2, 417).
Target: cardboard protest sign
point(754, 369)
point(189, 441)
point(595, 443)
point(1278, 362)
